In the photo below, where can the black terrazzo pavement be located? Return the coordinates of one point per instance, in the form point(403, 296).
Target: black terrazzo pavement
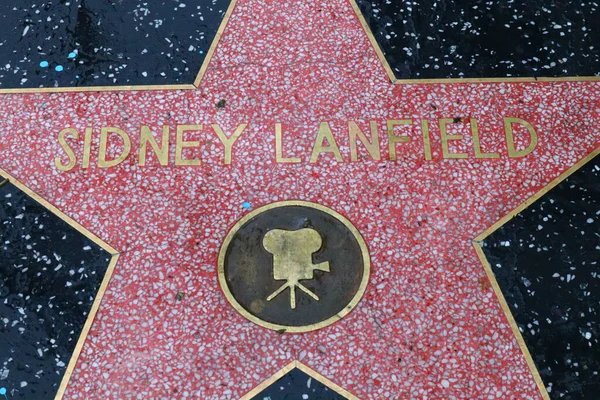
point(296, 385)
point(104, 42)
point(547, 263)
point(49, 276)
point(433, 39)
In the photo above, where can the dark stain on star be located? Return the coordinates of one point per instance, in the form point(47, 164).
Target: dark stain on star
point(105, 43)
point(49, 276)
point(435, 39)
point(547, 263)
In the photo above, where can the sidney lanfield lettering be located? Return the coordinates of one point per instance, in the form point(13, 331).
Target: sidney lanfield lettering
point(181, 145)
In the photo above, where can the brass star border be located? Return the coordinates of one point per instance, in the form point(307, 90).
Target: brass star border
point(477, 244)
point(184, 86)
point(308, 371)
point(114, 254)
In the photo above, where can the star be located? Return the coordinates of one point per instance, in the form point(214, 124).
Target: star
point(426, 325)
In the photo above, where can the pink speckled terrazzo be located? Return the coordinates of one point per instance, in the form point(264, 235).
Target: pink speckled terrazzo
point(429, 324)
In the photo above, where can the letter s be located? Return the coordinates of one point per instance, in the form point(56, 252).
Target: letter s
point(63, 142)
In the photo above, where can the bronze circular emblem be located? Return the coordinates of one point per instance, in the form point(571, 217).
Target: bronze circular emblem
point(294, 266)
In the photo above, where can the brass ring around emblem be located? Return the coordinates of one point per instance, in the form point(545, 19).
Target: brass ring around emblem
point(294, 266)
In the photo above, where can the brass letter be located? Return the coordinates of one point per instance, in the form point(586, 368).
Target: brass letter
point(426, 139)
point(372, 147)
point(63, 142)
point(278, 148)
point(228, 142)
point(180, 145)
point(477, 144)
point(102, 162)
point(325, 133)
point(510, 141)
point(162, 152)
point(445, 138)
point(87, 146)
point(392, 139)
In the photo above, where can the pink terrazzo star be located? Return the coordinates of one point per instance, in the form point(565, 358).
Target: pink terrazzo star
point(429, 324)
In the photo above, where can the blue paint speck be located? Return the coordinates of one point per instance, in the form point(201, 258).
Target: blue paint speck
point(76, 76)
point(72, 55)
point(58, 68)
point(246, 205)
point(43, 64)
point(3, 391)
point(201, 52)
